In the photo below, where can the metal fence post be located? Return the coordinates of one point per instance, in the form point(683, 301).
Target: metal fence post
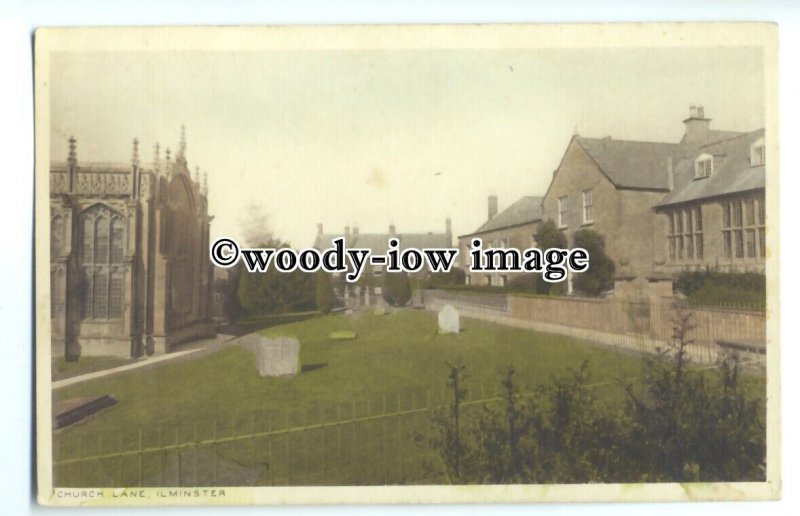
point(214, 453)
point(160, 459)
point(141, 458)
point(178, 453)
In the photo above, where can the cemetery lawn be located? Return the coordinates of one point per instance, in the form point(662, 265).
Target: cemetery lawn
point(379, 384)
point(62, 369)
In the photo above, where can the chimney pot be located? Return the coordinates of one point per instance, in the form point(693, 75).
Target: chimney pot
point(697, 126)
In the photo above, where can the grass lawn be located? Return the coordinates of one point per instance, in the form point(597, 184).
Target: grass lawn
point(397, 364)
point(63, 369)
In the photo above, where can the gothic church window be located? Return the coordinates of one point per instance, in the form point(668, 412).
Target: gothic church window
point(102, 263)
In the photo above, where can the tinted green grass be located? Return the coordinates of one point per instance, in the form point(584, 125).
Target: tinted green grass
point(397, 364)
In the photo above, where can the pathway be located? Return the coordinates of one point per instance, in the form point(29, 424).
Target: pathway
point(189, 351)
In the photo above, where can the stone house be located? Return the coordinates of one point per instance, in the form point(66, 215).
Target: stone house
point(129, 273)
point(514, 227)
point(377, 243)
point(665, 207)
point(715, 216)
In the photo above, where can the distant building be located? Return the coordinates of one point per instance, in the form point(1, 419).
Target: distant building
point(129, 271)
point(515, 227)
point(378, 244)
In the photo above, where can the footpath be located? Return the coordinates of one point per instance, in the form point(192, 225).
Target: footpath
point(191, 351)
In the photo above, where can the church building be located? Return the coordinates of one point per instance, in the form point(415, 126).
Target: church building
point(129, 267)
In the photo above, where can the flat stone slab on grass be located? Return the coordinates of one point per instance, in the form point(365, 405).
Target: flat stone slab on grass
point(343, 335)
point(277, 357)
point(68, 412)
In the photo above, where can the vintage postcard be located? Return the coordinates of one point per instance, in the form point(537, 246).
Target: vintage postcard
point(407, 264)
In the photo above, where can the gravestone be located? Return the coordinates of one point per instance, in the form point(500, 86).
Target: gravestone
point(277, 357)
point(380, 307)
point(448, 320)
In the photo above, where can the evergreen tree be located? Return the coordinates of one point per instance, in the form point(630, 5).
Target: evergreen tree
point(600, 275)
point(324, 291)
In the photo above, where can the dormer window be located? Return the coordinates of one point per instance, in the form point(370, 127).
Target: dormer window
point(703, 166)
point(758, 153)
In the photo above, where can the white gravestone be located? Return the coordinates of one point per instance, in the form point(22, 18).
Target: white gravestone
point(448, 320)
point(277, 357)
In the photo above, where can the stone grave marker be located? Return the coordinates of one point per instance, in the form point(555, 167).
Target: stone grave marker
point(448, 320)
point(380, 307)
point(277, 357)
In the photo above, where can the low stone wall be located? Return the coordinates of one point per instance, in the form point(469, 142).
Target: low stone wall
point(640, 326)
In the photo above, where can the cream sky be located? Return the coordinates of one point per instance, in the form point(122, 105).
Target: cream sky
point(373, 137)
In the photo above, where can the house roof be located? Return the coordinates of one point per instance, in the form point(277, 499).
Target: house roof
point(712, 136)
point(525, 210)
point(732, 171)
point(631, 164)
point(378, 243)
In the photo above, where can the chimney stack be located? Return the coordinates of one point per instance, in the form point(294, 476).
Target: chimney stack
point(448, 230)
point(347, 231)
point(697, 126)
point(492, 206)
point(319, 228)
point(355, 230)
point(392, 230)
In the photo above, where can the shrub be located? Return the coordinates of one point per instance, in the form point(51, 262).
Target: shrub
point(396, 288)
point(600, 275)
point(453, 278)
point(324, 292)
point(229, 288)
point(713, 288)
point(547, 236)
point(274, 292)
point(678, 424)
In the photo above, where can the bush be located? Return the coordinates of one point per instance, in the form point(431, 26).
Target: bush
point(274, 292)
point(437, 280)
point(396, 288)
point(600, 275)
point(324, 292)
point(229, 288)
point(546, 237)
point(714, 288)
point(678, 424)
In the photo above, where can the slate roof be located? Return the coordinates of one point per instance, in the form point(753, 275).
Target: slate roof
point(527, 209)
point(631, 164)
point(732, 171)
point(712, 136)
point(378, 243)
